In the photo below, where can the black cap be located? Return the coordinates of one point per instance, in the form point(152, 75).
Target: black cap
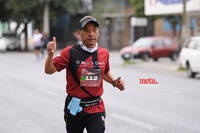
point(85, 20)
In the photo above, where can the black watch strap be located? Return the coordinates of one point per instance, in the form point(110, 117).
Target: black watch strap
point(113, 83)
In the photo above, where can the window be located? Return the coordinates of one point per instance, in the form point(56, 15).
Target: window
point(187, 42)
point(198, 46)
point(143, 42)
point(158, 43)
point(168, 42)
point(192, 44)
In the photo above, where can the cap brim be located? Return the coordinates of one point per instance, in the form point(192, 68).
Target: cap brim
point(91, 21)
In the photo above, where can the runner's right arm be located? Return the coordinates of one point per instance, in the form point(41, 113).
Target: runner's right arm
point(49, 66)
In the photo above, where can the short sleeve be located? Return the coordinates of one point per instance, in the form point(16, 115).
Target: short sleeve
point(61, 61)
point(107, 68)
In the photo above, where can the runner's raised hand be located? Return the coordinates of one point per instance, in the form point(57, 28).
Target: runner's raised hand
point(51, 46)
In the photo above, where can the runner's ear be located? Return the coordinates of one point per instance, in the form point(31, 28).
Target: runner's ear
point(79, 32)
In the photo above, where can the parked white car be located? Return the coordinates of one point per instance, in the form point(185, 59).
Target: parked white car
point(190, 56)
point(3, 47)
point(9, 41)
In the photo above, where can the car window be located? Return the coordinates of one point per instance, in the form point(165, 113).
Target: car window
point(167, 41)
point(192, 44)
point(198, 46)
point(143, 42)
point(186, 43)
point(158, 43)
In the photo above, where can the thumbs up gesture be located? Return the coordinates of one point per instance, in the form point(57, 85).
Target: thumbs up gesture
point(51, 46)
point(119, 83)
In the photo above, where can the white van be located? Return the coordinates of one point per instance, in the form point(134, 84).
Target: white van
point(9, 41)
point(190, 56)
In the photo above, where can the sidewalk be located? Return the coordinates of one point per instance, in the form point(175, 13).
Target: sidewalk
point(162, 63)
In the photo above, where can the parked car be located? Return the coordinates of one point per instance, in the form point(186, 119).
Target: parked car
point(151, 47)
point(9, 41)
point(3, 46)
point(190, 56)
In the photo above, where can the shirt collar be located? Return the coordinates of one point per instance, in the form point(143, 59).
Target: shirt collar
point(90, 50)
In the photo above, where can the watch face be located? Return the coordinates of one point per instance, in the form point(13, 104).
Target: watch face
point(90, 77)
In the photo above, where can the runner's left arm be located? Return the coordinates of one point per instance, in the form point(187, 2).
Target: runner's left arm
point(119, 83)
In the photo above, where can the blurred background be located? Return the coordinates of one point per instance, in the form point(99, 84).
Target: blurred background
point(154, 45)
point(122, 21)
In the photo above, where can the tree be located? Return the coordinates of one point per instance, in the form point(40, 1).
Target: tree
point(5, 10)
point(23, 11)
point(98, 10)
point(138, 6)
point(32, 9)
point(105, 6)
point(60, 7)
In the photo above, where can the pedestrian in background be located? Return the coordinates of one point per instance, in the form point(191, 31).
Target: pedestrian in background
point(87, 65)
point(37, 42)
point(45, 40)
point(77, 37)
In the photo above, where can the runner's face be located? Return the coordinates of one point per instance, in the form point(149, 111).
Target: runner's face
point(89, 35)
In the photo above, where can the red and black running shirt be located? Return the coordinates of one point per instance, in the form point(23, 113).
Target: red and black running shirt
point(73, 58)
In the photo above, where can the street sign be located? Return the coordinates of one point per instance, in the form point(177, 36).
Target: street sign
point(138, 21)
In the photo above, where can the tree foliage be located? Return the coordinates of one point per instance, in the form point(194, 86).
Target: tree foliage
point(60, 7)
point(23, 11)
point(5, 10)
point(138, 6)
point(26, 10)
point(105, 6)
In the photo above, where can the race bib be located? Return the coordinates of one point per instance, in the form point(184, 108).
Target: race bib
point(90, 77)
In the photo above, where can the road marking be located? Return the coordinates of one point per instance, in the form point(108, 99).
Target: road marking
point(134, 122)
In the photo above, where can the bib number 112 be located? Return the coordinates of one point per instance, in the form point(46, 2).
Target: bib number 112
point(89, 77)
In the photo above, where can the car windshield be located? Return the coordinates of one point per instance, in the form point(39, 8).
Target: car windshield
point(142, 42)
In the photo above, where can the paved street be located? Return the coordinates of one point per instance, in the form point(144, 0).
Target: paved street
point(32, 102)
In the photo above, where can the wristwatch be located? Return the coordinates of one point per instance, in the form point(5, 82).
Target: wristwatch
point(113, 83)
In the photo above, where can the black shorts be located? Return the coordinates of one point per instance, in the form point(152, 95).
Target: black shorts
point(37, 47)
point(94, 123)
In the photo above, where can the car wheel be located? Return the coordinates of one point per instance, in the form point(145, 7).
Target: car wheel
point(126, 56)
point(190, 73)
point(145, 56)
point(174, 56)
point(155, 59)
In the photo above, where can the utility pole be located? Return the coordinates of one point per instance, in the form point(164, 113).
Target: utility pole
point(46, 17)
point(185, 28)
point(26, 34)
